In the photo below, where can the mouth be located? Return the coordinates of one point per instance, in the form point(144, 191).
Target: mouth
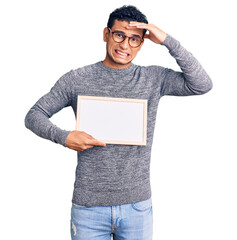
point(121, 54)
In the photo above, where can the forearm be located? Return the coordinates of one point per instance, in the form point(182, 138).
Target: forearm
point(38, 117)
point(196, 79)
point(40, 124)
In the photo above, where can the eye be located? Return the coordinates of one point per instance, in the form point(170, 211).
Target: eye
point(119, 35)
point(134, 39)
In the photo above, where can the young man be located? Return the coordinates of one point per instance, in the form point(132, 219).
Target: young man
point(112, 194)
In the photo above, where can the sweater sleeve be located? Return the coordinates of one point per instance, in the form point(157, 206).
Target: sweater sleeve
point(37, 119)
point(192, 80)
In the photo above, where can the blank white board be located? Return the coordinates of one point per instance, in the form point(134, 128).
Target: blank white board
point(113, 120)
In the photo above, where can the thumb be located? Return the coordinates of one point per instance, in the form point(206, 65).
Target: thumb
point(97, 142)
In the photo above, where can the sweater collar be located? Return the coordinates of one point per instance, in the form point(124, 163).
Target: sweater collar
point(116, 70)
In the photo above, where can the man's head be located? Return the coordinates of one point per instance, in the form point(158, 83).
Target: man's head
point(128, 14)
point(121, 53)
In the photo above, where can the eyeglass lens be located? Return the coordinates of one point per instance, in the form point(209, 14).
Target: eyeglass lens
point(120, 37)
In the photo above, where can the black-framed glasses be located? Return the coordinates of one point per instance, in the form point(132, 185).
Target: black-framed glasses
point(119, 36)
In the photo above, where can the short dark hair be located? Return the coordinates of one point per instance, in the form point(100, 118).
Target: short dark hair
point(127, 13)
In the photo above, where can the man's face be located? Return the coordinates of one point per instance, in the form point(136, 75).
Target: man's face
point(120, 55)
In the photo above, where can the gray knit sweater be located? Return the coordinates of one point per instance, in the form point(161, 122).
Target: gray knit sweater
point(117, 174)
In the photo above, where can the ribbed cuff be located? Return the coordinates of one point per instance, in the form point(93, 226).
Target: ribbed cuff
point(170, 42)
point(62, 136)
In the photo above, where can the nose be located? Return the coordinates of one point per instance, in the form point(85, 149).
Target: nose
point(125, 44)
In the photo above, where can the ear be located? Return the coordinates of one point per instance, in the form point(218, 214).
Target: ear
point(106, 34)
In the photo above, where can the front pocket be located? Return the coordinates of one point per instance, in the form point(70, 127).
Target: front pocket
point(143, 205)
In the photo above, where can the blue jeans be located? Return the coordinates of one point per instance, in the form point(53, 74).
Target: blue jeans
point(124, 222)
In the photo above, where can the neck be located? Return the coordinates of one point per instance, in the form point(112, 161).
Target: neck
point(107, 62)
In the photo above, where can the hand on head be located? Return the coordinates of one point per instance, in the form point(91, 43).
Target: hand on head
point(156, 35)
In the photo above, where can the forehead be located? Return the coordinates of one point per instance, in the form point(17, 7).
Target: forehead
point(121, 26)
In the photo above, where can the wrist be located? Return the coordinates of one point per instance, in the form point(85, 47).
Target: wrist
point(164, 36)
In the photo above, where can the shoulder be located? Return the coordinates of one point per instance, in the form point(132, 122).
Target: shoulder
point(151, 69)
point(85, 70)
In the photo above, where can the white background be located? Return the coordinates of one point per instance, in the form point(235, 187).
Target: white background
point(193, 162)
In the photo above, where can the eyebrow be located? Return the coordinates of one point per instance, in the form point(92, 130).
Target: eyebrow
point(134, 35)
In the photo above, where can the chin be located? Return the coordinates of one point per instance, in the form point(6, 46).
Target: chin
point(122, 61)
